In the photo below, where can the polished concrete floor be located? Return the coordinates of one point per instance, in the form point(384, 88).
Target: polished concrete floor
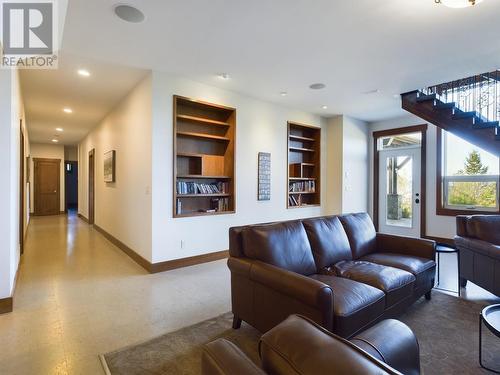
point(78, 296)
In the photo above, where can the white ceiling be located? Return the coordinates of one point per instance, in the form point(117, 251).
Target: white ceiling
point(354, 47)
point(47, 92)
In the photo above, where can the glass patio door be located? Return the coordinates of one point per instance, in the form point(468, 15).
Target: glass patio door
point(399, 191)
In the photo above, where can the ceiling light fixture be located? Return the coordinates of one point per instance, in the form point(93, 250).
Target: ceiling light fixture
point(324, 107)
point(84, 73)
point(55, 140)
point(458, 3)
point(59, 129)
point(283, 93)
point(68, 110)
point(129, 13)
point(224, 76)
point(317, 86)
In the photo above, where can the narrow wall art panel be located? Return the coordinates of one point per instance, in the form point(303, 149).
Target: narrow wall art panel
point(109, 166)
point(264, 177)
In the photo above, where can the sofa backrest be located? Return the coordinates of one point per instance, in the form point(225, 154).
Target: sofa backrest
point(481, 227)
point(328, 240)
point(283, 245)
point(361, 233)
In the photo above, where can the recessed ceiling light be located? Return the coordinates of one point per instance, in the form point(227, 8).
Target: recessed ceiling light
point(324, 107)
point(224, 76)
point(129, 13)
point(59, 129)
point(283, 93)
point(55, 140)
point(84, 73)
point(317, 86)
point(68, 110)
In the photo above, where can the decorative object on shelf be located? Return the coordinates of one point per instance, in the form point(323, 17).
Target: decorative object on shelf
point(458, 3)
point(109, 166)
point(264, 177)
point(204, 141)
point(304, 156)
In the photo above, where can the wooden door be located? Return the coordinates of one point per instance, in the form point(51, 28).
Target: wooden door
point(47, 183)
point(22, 212)
point(91, 187)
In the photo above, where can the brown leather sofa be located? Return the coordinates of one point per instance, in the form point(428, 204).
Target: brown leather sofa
point(299, 346)
point(335, 270)
point(478, 242)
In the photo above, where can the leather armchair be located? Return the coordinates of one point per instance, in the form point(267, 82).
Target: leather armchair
point(300, 346)
point(478, 243)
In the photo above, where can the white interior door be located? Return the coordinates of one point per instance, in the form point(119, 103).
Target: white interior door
point(399, 191)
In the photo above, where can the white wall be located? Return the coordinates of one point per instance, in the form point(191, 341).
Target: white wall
point(11, 114)
point(71, 153)
point(48, 151)
point(348, 173)
point(261, 126)
point(123, 208)
point(436, 225)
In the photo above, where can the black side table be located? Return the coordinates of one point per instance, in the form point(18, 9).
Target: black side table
point(444, 249)
point(490, 316)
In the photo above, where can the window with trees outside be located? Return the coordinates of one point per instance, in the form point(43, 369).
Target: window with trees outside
point(468, 180)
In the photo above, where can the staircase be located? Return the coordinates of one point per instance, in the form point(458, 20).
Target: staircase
point(468, 108)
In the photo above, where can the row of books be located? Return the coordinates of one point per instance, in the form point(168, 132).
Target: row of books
point(216, 205)
point(197, 188)
point(303, 186)
point(292, 201)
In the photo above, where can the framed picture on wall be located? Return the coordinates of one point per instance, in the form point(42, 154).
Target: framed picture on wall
point(109, 166)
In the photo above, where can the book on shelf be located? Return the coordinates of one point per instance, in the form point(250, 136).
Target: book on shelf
point(303, 186)
point(292, 201)
point(184, 187)
point(179, 207)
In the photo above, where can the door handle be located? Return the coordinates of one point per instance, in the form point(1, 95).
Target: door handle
point(55, 191)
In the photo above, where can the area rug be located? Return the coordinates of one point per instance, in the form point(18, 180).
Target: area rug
point(446, 328)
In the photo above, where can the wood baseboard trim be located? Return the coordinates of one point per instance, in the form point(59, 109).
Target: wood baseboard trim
point(6, 305)
point(446, 241)
point(83, 218)
point(162, 266)
point(190, 261)
point(127, 250)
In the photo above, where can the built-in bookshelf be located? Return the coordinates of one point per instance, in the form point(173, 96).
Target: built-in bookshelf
point(204, 144)
point(304, 169)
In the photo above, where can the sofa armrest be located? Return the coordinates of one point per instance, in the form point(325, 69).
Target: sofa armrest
point(308, 291)
point(392, 342)
point(222, 357)
point(300, 346)
point(418, 247)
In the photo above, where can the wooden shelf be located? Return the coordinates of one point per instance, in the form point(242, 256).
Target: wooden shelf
point(204, 146)
point(300, 138)
point(203, 136)
point(302, 178)
point(196, 213)
point(203, 195)
point(300, 149)
point(203, 120)
point(304, 169)
point(197, 176)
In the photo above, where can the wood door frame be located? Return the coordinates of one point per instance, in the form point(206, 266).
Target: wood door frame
point(423, 170)
point(21, 187)
point(35, 185)
point(91, 187)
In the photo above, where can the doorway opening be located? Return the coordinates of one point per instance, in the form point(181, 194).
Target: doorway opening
point(399, 181)
point(71, 185)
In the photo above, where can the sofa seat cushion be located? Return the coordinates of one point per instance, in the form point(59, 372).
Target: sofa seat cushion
point(395, 283)
point(421, 268)
point(355, 306)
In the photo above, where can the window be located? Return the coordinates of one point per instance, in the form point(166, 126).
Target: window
point(400, 141)
point(468, 177)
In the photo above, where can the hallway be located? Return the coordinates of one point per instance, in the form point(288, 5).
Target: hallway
point(78, 296)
